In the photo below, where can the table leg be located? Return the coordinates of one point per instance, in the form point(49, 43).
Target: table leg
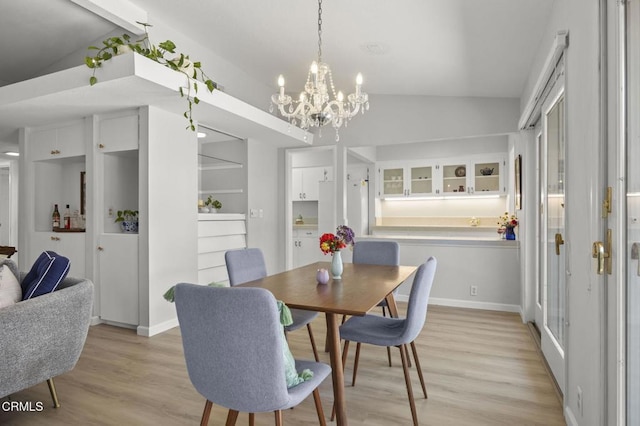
point(337, 373)
point(391, 304)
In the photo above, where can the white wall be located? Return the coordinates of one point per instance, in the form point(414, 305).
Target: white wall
point(169, 170)
point(443, 148)
point(461, 266)
point(405, 119)
point(262, 188)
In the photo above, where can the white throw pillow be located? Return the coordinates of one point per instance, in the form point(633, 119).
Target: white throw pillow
point(10, 290)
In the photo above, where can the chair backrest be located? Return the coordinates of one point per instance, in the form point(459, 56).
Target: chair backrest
point(376, 252)
point(419, 299)
point(233, 346)
point(244, 265)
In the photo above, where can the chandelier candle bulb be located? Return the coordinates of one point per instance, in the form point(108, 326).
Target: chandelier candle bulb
point(281, 84)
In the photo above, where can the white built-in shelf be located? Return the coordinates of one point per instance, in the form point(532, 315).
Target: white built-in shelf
point(131, 81)
point(220, 167)
point(221, 191)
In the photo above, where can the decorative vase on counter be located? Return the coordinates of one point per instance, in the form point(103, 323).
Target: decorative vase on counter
point(509, 233)
point(336, 265)
point(322, 276)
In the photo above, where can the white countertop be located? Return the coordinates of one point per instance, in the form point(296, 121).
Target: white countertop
point(456, 240)
point(221, 216)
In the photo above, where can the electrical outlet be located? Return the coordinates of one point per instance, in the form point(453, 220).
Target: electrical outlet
point(579, 400)
point(474, 290)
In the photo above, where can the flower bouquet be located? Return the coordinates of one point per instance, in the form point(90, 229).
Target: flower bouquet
point(506, 224)
point(333, 243)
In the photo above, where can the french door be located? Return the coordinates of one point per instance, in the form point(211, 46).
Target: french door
point(552, 276)
point(632, 280)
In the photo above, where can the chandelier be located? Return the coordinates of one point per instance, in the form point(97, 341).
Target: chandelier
point(315, 107)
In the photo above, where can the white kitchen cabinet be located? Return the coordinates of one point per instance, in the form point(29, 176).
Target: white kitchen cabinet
point(483, 175)
point(118, 278)
point(407, 179)
point(217, 233)
point(479, 176)
point(306, 247)
point(68, 244)
point(118, 133)
point(304, 182)
point(57, 142)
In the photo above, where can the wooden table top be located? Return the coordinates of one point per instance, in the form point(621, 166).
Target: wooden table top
point(361, 288)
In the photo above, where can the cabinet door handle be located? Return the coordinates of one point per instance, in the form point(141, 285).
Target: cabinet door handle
point(301, 195)
point(53, 238)
point(100, 248)
point(55, 152)
point(100, 145)
point(299, 243)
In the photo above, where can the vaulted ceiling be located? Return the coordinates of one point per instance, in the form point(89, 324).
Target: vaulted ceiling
point(404, 47)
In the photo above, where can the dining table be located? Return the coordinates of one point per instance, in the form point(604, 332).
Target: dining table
point(360, 289)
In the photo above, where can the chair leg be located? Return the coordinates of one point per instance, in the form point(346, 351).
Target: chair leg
point(415, 357)
point(206, 413)
point(252, 419)
point(407, 380)
point(319, 410)
point(278, 418)
point(54, 394)
point(313, 343)
point(355, 364)
point(384, 314)
point(406, 351)
point(344, 318)
point(232, 416)
point(345, 351)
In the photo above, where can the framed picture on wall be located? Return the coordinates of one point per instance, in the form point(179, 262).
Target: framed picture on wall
point(518, 186)
point(83, 193)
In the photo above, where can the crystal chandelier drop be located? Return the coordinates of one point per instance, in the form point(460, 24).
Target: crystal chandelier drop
point(315, 108)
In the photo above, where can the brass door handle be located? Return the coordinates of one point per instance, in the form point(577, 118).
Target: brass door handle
point(559, 242)
point(603, 254)
point(635, 254)
point(597, 252)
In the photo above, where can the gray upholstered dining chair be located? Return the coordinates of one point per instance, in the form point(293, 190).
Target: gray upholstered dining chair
point(375, 253)
point(244, 265)
point(233, 348)
point(385, 331)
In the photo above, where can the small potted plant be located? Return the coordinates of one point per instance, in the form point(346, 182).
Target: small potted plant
point(213, 205)
point(128, 220)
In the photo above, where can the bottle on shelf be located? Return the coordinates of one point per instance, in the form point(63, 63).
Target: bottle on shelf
point(67, 218)
point(55, 218)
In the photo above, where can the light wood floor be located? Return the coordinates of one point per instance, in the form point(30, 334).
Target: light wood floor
point(481, 368)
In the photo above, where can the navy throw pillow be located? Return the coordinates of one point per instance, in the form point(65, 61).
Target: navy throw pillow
point(45, 275)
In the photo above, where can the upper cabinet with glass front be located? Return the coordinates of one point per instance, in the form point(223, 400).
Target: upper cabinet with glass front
point(450, 177)
point(406, 179)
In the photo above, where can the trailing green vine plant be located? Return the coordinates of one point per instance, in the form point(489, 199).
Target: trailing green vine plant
point(114, 46)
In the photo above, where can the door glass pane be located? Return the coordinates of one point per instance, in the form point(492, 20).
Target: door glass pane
point(392, 181)
point(454, 178)
point(421, 180)
point(555, 293)
point(633, 214)
point(487, 177)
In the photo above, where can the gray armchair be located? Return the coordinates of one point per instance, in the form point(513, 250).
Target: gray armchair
point(44, 336)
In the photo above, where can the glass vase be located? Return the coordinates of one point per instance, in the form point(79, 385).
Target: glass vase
point(336, 265)
point(509, 233)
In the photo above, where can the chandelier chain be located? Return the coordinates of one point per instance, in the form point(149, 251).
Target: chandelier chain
point(319, 31)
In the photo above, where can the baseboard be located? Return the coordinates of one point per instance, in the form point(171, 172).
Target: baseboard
point(157, 329)
point(489, 306)
point(569, 417)
point(95, 320)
